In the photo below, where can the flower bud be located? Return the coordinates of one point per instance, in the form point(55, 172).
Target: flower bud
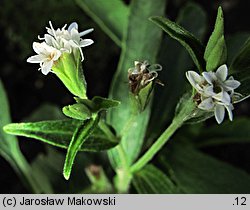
point(141, 81)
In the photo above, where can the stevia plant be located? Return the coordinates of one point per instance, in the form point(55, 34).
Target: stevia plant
point(129, 119)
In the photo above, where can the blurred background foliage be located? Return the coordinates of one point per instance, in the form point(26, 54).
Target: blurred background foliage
point(31, 92)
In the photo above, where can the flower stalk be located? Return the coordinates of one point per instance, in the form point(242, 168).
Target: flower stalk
point(154, 149)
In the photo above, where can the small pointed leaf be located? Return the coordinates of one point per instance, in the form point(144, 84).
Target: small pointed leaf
point(77, 111)
point(98, 103)
point(185, 38)
point(240, 69)
point(82, 132)
point(216, 51)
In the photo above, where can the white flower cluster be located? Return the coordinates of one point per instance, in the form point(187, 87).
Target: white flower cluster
point(55, 43)
point(215, 91)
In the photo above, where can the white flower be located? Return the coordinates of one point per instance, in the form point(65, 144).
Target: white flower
point(46, 56)
point(209, 104)
point(67, 40)
point(215, 91)
point(56, 42)
point(75, 38)
point(219, 79)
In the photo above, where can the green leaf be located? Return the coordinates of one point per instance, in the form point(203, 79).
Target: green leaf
point(193, 18)
point(77, 111)
point(140, 43)
point(185, 38)
point(59, 133)
point(240, 69)
point(216, 51)
point(98, 103)
point(82, 132)
point(195, 172)
point(111, 16)
point(7, 143)
point(151, 180)
point(234, 44)
point(175, 62)
point(237, 131)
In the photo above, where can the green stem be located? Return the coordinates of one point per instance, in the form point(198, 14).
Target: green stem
point(122, 155)
point(123, 177)
point(105, 128)
point(157, 145)
point(185, 111)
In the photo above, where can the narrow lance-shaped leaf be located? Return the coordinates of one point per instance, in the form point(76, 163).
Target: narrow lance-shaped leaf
point(216, 51)
point(110, 15)
point(185, 38)
point(234, 45)
point(59, 133)
point(82, 132)
point(151, 180)
point(140, 43)
point(240, 69)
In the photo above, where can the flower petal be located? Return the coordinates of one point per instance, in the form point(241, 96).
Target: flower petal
point(73, 25)
point(46, 67)
point(231, 84)
point(206, 104)
point(223, 97)
point(219, 113)
point(75, 36)
point(86, 32)
point(209, 77)
point(56, 55)
point(222, 72)
point(208, 91)
point(36, 59)
point(194, 78)
point(86, 42)
point(226, 98)
point(38, 47)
